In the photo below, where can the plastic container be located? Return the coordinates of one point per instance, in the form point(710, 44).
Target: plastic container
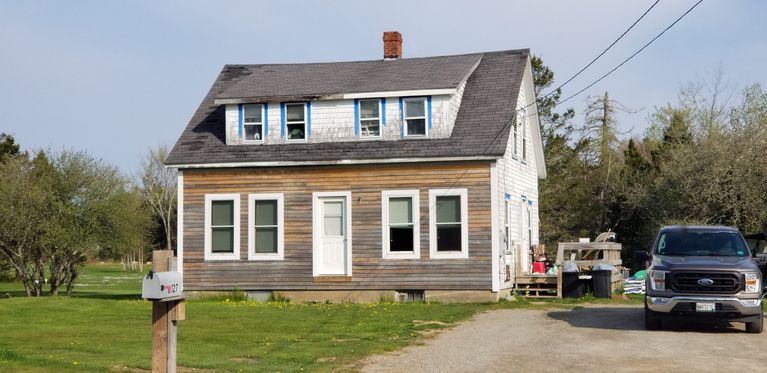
point(601, 283)
point(539, 267)
point(572, 286)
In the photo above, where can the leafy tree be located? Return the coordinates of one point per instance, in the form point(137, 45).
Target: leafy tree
point(158, 187)
point(94, 209)
point(24, 217)
point(58, 211)
point(8, 146)
point(706, 165)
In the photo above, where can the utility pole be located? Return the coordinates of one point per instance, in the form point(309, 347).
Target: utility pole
point(605, 155)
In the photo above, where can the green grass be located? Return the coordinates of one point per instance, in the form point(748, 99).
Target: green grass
point(105, 326)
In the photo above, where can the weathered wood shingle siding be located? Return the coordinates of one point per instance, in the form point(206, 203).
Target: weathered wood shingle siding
point(369, 270)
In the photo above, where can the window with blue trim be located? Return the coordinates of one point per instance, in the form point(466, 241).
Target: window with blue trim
point(295, 121)
point(253, 123)
point(370, 118)
point(415, 116)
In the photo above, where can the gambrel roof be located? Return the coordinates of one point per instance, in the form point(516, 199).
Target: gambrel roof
point(481, 130)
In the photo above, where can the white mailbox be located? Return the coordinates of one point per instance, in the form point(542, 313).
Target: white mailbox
point(162, 285)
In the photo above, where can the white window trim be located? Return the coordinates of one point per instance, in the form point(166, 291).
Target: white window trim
point(380, 119)
point(288, 123)
point(425, 116)
point(209, 254)
point(463, 194)
point(263, 128)
point(252, 198)
point(385, 195)
point(316, 234)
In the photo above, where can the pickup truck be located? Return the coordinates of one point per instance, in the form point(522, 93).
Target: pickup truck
point(703, 273)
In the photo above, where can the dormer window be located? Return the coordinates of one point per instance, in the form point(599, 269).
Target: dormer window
point(369, 118)
point(295, 121)
point(253, 123)
point(415, 116)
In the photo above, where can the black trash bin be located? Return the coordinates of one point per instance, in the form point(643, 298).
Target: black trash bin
point(572, 287)
point(601, 283)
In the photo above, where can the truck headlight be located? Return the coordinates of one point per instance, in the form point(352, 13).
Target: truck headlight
point(752, 283)
point(658, 280)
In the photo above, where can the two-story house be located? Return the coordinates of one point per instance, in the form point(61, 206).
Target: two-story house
point(362, 180)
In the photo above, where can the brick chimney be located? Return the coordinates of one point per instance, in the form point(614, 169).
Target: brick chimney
point(392, 45)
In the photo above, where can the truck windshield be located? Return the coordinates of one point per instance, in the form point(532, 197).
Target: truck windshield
point(701, 243)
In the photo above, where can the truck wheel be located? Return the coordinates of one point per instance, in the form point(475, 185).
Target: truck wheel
point(651, 322)
point(756, 326)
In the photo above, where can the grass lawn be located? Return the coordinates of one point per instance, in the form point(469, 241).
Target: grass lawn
point(105, 327)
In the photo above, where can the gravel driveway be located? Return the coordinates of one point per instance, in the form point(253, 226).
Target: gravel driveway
point(589, 338)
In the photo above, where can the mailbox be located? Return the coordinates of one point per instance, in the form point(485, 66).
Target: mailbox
point(162, 286)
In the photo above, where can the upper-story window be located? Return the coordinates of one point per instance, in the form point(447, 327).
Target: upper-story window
point(370, 118)
point(524, 136)
point(295, 121)
point(515, 143)
point(415, 116)
point(253, 123)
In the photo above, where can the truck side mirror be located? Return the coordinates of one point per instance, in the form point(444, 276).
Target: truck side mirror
point(641, 256)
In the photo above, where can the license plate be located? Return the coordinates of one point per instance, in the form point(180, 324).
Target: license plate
point(705, 307)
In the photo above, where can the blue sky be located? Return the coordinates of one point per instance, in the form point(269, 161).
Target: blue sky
point(117, 77)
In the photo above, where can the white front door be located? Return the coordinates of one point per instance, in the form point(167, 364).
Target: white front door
point(332, 236)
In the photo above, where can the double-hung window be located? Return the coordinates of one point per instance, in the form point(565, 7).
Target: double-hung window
point(295, 121)
point(415, 116)
point(222, 226)
point(524, 135)
point(265, 226)
point(253, 123)
point(401, 224)
point(515, 145)
point(506, 225)
point(449, 223)
point(370, 118)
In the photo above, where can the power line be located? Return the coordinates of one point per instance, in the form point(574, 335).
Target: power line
point(603, 52)
point(632, 56)
point(509, 122)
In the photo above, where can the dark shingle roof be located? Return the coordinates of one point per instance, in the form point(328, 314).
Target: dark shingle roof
point(481, 127)
point(318, 79)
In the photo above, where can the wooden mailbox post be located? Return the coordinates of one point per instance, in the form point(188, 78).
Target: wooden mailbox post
point(167, 309)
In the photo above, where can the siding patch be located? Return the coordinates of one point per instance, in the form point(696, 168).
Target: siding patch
point(401, 119)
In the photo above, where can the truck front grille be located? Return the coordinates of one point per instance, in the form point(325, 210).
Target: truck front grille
point(723, 283)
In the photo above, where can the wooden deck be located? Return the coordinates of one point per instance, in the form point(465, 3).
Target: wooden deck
point(585, 255)
point(537, 286)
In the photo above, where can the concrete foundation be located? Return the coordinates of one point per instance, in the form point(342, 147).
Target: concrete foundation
point(463, 296)
point(336, 296)
point(361, 296)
